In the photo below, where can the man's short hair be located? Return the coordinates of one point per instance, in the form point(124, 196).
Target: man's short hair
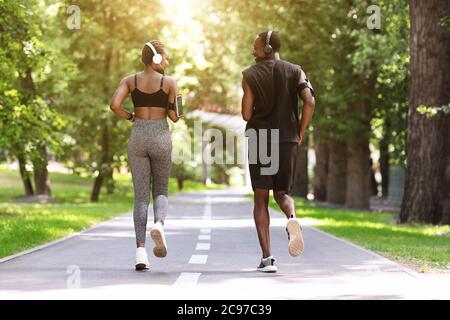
point(275, 40)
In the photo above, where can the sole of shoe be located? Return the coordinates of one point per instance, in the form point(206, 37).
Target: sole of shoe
point(141, 267)
point(296, 244)
point(268, 269)
point(160, 249)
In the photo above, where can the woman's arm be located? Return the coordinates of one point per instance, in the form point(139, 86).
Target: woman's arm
point(173, 90)
point(119, 96)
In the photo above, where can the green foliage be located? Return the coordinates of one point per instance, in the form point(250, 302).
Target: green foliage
point(445, 22)
point(185, 166)
point(431, 112)
point(59, 82)
point(27, 114)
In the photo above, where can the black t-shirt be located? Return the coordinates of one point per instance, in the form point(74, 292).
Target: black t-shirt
point(274, 84)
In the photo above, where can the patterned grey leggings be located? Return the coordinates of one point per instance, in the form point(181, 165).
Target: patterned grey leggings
point(149, 156)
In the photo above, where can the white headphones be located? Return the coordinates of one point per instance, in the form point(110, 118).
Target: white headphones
point(157, 58)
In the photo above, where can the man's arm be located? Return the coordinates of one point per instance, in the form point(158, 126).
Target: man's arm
point(309, 103)
point(248, 100)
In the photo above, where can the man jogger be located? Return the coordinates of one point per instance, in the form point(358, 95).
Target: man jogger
point(270, 105)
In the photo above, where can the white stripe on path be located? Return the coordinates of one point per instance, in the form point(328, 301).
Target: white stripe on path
point(207, 212)
point(198, 259)
point(203, 246)
point(190, 279)
point(204, 237)
point(187, 280)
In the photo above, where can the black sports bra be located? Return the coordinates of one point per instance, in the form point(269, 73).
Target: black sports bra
point(156, 99)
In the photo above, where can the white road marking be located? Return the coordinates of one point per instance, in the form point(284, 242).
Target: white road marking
point(203, 246)
point(205, 231)
point(204, 237)
point(187, 280)
point(198, 259)
point(207, 212)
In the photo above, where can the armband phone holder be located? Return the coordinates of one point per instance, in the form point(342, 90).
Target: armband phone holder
point(179, 105)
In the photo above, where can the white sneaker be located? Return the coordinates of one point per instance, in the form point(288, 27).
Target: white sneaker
point(157, 234)
point(296, 244)
point(141, 259)
point(267, 265)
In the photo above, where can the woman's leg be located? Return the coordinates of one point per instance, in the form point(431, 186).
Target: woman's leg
point(160, 166)
point(140, 171)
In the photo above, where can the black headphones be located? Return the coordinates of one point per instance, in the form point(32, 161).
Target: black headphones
point(268, 48)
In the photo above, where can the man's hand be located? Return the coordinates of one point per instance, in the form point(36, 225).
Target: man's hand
point(300, 139)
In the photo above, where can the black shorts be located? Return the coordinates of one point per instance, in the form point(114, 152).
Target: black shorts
point(283, 180)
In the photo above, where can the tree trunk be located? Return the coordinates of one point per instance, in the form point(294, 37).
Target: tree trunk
point(337, 172)
point(358, 175)
point(300, 187)
point(110, 183)
point(321, 169)
point(180, 182)
point(358, 153)
point(110, 186)
point(25, 175)
point(105, 165)
point(446, 187)
point(95, 195)
point(373, 181)
point(41, 178)
point(426, 193)
point(384, 166)
point(106, 147)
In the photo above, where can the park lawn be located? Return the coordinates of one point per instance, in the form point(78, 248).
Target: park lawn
point(24, 225)
point(421, 247)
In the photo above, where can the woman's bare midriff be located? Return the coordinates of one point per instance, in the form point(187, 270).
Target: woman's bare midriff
point(150, 113)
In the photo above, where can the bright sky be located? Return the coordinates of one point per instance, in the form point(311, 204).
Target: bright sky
point(181, 11)
point(185, 31)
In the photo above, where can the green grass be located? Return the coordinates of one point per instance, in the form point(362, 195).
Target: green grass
point(23, 225)
point(419, 246)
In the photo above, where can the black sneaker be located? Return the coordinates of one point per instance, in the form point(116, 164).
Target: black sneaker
point(267, 265)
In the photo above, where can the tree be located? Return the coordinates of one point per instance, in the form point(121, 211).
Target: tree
point(29, 124)
point(426, 196)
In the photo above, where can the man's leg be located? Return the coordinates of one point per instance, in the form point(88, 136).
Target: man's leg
point(285, 178)
point(262, 219)
point(286, 203)
point(282, 188)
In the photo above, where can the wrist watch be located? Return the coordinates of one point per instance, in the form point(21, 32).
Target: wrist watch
point(131, 117)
